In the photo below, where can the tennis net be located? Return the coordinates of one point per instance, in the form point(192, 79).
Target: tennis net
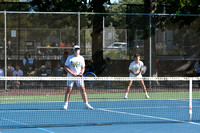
point(38, 101)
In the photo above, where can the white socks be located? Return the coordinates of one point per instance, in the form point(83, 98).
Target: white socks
point(146, 95)
point(126, 95)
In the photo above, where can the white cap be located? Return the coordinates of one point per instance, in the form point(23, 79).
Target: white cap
point(76, 47)
point(43, 66)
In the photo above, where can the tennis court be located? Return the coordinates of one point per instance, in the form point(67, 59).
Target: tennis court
point(43, 112)
point(30, 108)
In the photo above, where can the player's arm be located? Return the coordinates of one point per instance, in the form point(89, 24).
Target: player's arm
point(82, 67)
point(69, 71)
point(141, 69)
point(136, 74)
point(142, 65)
point(82, 71)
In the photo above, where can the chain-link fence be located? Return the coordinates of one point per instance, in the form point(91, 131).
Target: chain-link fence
point(47, 35)
point(169, 33)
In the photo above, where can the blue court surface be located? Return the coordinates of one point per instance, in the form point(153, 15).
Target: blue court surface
point(149, 116)
point(130, 128)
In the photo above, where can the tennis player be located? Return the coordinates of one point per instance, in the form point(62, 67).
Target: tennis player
point(135, 69)
point(75, 66)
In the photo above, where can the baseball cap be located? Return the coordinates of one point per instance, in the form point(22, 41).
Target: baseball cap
point(43, 66)
point(76, 47)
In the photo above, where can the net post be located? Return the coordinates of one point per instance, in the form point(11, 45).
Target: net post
point(190, 98)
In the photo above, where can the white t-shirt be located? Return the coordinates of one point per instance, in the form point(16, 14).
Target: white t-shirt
point(134, 67)
point(75, 64)
point(18, 73)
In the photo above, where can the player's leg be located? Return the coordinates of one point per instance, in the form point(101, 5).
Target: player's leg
point(83, 94)
point(81, 85)
point(144, 88)
point(128, 89)
point(67, 94)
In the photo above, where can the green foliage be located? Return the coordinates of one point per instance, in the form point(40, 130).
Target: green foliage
point(181, 6)
point(59, 5)
point(132, 1)
point(14, 6)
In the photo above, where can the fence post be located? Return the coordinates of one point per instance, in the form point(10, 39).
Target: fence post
point(150, 57)
point(79, 30)
point(150, 60)
point(5, 49)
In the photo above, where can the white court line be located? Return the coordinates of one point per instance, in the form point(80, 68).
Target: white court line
point(186, 100)
point(133, 114)
point(159, 107)
point(193, 100)
point(126, 113)
point(25, 124)
point(123, 100)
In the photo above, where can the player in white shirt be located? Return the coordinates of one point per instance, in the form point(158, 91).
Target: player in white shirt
point(135, 69)
point(75, 66)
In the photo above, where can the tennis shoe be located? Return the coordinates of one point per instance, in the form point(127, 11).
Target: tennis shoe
point(125, 97)
point(147, 96)
point(65, 107)
point(87, 106)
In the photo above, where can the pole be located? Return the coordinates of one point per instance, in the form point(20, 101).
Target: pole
point(5, 48)
point(150, 45)
point(103, 32)
point(79, 29)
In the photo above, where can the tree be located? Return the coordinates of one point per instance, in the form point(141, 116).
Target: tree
point(14, 6)
point(181, 7)
point(149, 6)
point(97, 34)
point(80, 6)
point(172, 7)
point(59, 5)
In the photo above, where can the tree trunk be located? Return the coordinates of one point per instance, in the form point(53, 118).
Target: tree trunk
point(97, 45)
point(97, 35)
point(148, 9)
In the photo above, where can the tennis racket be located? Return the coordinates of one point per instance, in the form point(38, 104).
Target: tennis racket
point(89, 74)
point(90, 84)
point(144, 69)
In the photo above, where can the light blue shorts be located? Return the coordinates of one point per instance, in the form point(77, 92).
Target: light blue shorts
point(132, 75)
point(79, 83)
